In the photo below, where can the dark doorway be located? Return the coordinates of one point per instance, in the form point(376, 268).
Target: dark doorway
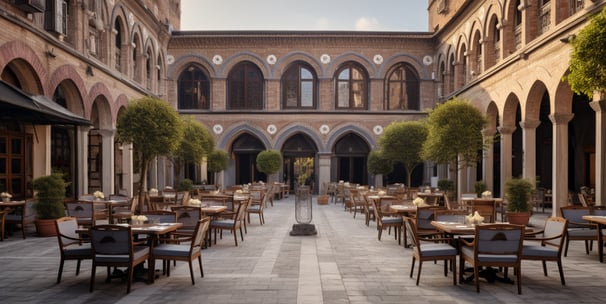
point(245, 150)
point(351, 154)
point(299, 153)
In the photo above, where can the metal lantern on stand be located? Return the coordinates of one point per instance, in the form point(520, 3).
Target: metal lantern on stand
point(303, 213)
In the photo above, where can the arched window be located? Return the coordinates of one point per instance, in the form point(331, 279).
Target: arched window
point(245, 87)
point(194, 89)
point(403, 88)
point(148, 69)
point(351, 87)
point(517, 26)
point(118, 45)
point(299, 87)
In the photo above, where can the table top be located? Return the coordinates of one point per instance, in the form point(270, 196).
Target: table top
point(213, 209)
point(159, 228)
point(12, 203)
point(403, 208)
point(600, 219)
point(460, 228)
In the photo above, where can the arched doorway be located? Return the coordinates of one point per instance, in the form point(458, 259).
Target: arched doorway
point(244, 151)
point(350, 155)
point(299, 153)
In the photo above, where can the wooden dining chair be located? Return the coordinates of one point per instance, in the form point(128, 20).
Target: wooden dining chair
point(498, 245)
point(232, 224)
point(486, 208)
point(71, 245)
point(548, 244)
point(113, 246)
point(433, 249)
point(578, 228)
point(387, 222)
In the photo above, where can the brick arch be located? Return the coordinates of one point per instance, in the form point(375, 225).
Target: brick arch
point(494, 9)
point(509, 111)
point(285, 61)
point(388, 64)
point(492, 115)
point(563, 95)
point(343, 130)
point(100, 89)
point(532, 109)
point(73, 96)
point(232, 133)
point(68, 72)
point(298, 128)
point(360, 59)
point(183, 62)
point(232, 61)
point(17, 50)
point(120, 103)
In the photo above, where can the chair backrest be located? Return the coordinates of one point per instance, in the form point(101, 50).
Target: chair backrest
point(184, 198)
point(425, 215)
point(86, 197)
point(582, 199)
point(188, 216)
point(598, 210)
point(469, 195)
point(411, 231)
point(199, 233)
point(83, 211)
point(449, 204)
point(29, 210)
point(574, 214)
point(498, 239)
point(111, 240)
point(555, 231)
point(160, 216)
point(66, 230)
point(118, 197)
point(242, 207)
point(450, 215)
point(486, 208)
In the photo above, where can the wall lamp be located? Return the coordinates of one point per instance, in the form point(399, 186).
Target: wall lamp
point(568, 38)
point(89, 71)
point(51, 53)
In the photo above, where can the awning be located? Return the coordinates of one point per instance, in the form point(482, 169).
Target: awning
point(16, 105)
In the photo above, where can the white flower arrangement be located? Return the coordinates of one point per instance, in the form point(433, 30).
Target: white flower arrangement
point(153, 192)
point(486, 194)
point(6, 195)
point(419, 202)
point(138, 219)
point(195, 202)
point(474, 218)
point(99, 195)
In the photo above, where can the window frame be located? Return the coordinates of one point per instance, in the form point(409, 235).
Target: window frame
point(351, 82)
point(205, 87)
point(404, 69)
point(245, 87)
point(297, 68)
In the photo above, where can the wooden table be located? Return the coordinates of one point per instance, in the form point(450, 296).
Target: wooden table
point(600, 220)
point(403, 209)
point(454, 228)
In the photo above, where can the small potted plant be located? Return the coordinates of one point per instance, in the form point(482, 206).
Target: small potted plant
point(479, 187)
point(50, 194)
point(517, 194)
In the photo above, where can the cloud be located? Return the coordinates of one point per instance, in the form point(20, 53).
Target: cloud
point(367, 23)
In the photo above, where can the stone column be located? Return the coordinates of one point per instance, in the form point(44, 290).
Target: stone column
point(506, 163)
point(488, 159)
point(599, 106)
point(107, 168)
point(529, 149)
point(324, 161)
point(560, 160)
point(127, 169)
point(82, 159)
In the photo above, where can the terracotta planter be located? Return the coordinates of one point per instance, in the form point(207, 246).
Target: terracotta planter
point(518, 218)
point(322, 199)
point(46, 228)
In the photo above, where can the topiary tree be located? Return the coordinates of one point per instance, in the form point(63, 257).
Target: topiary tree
point(153, 128)
point(402, 142)
point(218, 160)
point(378, 164)
point(194, 145)
point(50, 193)
point(588, 59)
point(269, 161)
point(455, 135)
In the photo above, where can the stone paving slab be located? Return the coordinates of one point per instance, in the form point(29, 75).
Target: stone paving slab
point(344, 263)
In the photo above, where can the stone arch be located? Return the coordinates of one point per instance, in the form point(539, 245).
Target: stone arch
point(492, 115)
point(230, 62)
point(422, 70)
point(509, 111)
point(73, 95)
point(68, 72)
point(298, 128)
point(363, 61)
point(342, 130)
point(532, 108)
point(25, 63)
point(285, 61)
point(234, 131)
point(182, 62)
point(100, 89)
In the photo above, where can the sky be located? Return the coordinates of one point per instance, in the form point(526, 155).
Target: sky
point(308, 15)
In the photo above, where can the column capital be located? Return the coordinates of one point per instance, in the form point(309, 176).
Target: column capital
point(506, 130)
point(561, 118)
point(530, 124)
point(489, 132)
point(598, 105)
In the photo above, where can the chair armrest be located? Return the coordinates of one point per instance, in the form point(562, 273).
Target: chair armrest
point(466, 243)
point(544, 238)
point(582, 225)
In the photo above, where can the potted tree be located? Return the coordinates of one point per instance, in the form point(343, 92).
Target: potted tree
point(50, 193)
point(269, 162)
point(517, 194)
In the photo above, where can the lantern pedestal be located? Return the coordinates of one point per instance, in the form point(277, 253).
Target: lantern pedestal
point(303, 213)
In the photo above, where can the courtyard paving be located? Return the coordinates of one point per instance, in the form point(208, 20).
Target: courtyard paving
point(343, 263)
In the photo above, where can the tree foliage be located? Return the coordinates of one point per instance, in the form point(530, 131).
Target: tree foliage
point(218, 160)
point(196, 143)
point(269, 161)
point(402, 142)
point(153, 128)
point(378, 164)
point(588, 59)
point(455, 133)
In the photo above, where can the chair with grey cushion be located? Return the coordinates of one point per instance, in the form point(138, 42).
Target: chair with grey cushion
point(387, 221)
point(23, 215)
point(185, 252)
point(113, 246)
point(71, 245)
point(84, 211)
point(498, 245)
point(578, 228)
point(435, 249)
point(233, 224)
point(548, 244)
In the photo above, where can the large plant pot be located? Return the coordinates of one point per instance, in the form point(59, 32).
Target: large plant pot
point(518, 218)
point(323, 199)
point(46, 228)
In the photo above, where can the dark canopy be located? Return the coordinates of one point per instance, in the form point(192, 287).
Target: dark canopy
point(39, 109)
